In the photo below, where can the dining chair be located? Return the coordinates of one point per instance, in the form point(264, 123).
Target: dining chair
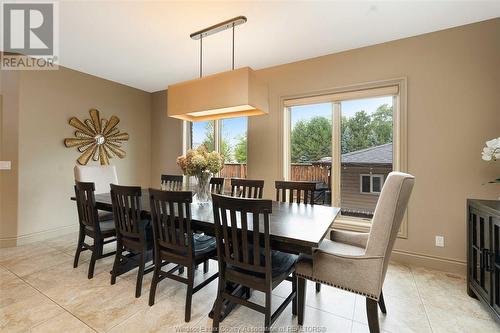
point(172, 182)
point(101, 231)
point(216, 185)
point(299, 192)
point(101, 175)
point(295, 191)
point(133, 232)
point(247, 188)
point(245, 257)
point(175, 242)
point(357, 262)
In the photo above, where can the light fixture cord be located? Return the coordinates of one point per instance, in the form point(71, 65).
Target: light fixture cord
point(201, 55)
point(233, 49)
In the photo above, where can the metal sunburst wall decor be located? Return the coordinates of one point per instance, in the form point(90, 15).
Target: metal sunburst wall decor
point(97, 138)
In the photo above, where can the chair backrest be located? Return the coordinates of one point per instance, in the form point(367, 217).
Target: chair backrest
point(100, 175)
point(216, 185)
point(171, 219)
point(237, 229)
point(173, 182)
point(389, 212)
point(297, 191)
point(247, 188)
point(126, 201)
point(85, 203)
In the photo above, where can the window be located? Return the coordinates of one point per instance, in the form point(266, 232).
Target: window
point(227, 136)
point(371, 183)
point(347, 142)
point(202, 133)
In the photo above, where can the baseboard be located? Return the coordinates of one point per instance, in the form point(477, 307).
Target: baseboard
point(37, 236)
point(437, 263)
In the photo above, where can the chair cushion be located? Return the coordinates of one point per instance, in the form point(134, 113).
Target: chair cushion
point(340, 249)
point(281, 262)
point(104, 216)
point(304, 265)
point(203, 244)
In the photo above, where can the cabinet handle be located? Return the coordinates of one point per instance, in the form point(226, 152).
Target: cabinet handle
point(487, 260)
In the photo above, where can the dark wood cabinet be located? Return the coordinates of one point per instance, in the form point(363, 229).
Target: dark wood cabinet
point(483, 253)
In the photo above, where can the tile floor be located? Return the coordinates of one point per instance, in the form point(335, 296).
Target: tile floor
point(41, 292)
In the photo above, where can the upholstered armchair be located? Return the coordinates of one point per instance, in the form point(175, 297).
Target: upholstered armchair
point(357, 262)
point(100, 175)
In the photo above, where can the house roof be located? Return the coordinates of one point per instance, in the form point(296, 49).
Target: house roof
point(374, 155)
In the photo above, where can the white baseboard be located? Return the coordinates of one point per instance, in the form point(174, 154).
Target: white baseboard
point(37, 236)
point(437, 263)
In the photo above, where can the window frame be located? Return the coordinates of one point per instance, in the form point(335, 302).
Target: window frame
point(380, 176)
point(322, 96)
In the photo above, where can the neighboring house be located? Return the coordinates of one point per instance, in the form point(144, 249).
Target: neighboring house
point(362, 176)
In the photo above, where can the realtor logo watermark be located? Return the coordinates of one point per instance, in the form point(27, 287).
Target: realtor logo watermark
point(29, 35)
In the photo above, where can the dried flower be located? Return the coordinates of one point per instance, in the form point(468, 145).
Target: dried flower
point(200, 160)
point(492, 150)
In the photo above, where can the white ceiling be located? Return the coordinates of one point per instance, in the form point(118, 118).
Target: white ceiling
point(146, 44)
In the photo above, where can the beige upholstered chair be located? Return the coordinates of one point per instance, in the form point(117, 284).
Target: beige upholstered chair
point(100, 175)
point(357, 262)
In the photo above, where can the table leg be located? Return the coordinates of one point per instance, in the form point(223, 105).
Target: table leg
point(227, 306)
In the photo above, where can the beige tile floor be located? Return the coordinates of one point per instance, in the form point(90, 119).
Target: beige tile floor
point(41, 292)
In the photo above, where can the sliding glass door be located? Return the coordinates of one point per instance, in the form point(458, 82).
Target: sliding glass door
point(344, 143)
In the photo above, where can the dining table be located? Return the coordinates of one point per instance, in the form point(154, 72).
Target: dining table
point(295, 228)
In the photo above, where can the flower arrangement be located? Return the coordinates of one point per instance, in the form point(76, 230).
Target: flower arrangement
point(199, 160)
point(492, 153)
point(492, 150)
point(201, 164)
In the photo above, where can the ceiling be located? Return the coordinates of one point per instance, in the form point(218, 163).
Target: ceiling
point(146, 45)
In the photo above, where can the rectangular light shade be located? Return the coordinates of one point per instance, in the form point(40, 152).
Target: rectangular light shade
point(235, 93)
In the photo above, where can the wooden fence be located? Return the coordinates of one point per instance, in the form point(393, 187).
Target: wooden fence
point(298, 172)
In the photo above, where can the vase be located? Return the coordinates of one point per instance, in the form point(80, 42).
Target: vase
point(202, 194)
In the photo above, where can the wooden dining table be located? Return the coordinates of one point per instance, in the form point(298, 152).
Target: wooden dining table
point(294, 228)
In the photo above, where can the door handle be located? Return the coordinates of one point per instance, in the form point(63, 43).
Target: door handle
point(487, 255)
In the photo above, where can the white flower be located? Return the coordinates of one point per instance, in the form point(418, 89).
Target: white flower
point(494, 143)
point(492, 150)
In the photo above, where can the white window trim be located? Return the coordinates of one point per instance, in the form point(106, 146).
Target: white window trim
point(399, 140)
point(371, 182)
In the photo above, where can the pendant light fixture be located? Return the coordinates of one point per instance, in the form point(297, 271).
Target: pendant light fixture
point(235, 93)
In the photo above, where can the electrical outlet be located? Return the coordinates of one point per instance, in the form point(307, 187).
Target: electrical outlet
point(5, 165)
point(440, 241)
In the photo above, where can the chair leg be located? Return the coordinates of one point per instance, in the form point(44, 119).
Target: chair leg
point(372, 314)
point(301, 301)
point(189, 294)
point(181, 270)
point(267, 314)
point(205, 267)
point(381, 303)
point(154, 283)
point(294, 289)
point(140, 274)
point(318, 287)
point(81, 239)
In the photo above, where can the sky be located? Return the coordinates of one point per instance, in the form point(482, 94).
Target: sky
point(234, 127)
point(347, 108)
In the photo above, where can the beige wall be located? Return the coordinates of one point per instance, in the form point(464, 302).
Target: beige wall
point(453, 108)
point(453, 79)
point(166, 139)
point(47, 99)
point(9, 125)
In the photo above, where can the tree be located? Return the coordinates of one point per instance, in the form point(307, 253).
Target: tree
point(311, 139)
point(240, 150)
point(381, 124)
point(209, 142)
